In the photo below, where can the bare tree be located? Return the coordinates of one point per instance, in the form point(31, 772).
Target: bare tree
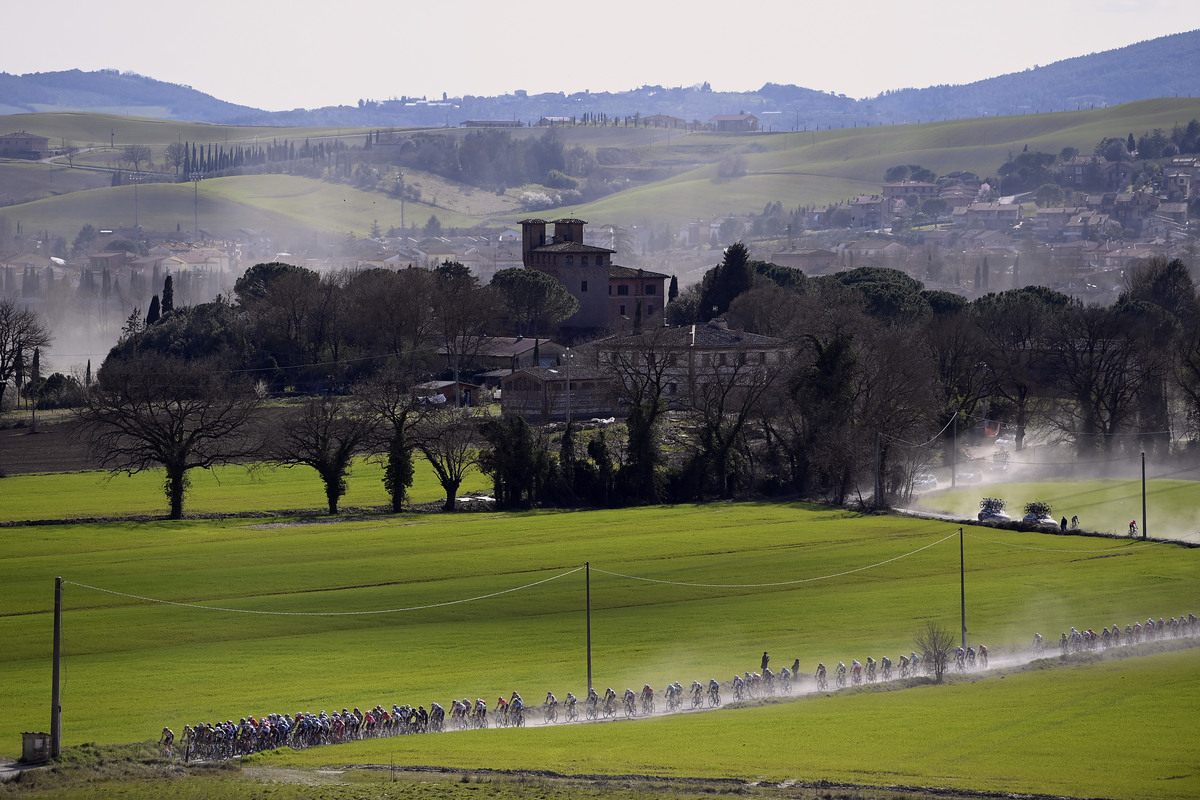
point(726, 396)
point(933, 644)
point(463, 310)
point(135, 154)
point(21, 332)
point(449, 439)
point(175, 154)
point(646, 365)
point(326, 435)
point(390, 397)
point(151, 410)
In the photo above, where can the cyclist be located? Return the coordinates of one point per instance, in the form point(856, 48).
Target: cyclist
point(870, 669)
point(841, 669)
point(167, 740)
point(983, 655)
point(856, 671)
point(610, 700)
point(714, 692)
point(571, 712)
point(647, 698)
point(820, 676)
point(886, 668)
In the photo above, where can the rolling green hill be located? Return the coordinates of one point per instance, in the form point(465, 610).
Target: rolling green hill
point(672, 177)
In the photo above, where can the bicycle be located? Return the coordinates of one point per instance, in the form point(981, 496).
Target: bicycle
point(572, 712)
point(518, 717)
point(714, 697)
point(630, 707)
point(841, 680)
point(550, 711)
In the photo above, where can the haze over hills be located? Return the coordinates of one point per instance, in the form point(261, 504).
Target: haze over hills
point(1163, 67)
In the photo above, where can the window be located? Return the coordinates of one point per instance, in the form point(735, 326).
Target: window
point(622, 311)
point(583, 286)
point(622, 289)
point(650, 288)
point(570, 261)
point(583, 261)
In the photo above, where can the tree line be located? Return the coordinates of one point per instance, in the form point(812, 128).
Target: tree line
point(873, 364)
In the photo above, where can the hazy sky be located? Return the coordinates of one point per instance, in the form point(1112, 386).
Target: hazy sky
point(275, 55)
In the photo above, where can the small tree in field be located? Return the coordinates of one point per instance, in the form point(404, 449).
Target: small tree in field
point(933, 643)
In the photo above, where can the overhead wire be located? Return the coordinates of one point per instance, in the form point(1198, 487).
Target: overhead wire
point(199, 607)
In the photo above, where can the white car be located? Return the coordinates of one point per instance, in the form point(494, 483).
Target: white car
point(1041, 520)
point(993, 515)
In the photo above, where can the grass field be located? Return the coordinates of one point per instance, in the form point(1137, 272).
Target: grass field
point(223, 490)
point(1106, 506)
point(801, 581)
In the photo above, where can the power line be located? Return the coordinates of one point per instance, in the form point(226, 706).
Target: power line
point(780, 583)
point(324, 613)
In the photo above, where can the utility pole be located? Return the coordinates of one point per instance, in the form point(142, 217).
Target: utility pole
point(55, 695)
point(587, 571)
point(962, 587)
point(1143, 494)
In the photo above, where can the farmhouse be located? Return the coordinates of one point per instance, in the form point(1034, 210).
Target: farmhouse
point(692, 356)
point(543, 394)
point(23, 144)
point(735, 123)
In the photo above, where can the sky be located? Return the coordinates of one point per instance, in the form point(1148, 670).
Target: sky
point(278, 56)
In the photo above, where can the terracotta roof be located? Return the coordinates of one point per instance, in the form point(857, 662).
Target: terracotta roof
point(617, 271)
point(570, 247)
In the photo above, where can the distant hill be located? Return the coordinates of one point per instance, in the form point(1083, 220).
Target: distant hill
point(112, 92)
point(1165, 67)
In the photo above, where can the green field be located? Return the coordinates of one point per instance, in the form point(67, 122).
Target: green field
point(677, 593)
point(1105, 506)
point(223, 490)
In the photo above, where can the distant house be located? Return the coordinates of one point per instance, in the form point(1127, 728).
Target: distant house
point(693, 356)
point(634, 293)
point(663, 121)
point(990, 216)
point(542, 394)
point(448, 393)
point(869, 211)
point(735, 123)
point(810, 262)
point(547, 122)
point(24, 144)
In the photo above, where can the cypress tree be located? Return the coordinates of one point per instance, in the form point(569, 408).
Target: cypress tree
point(168, 295)
point(154, 314)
